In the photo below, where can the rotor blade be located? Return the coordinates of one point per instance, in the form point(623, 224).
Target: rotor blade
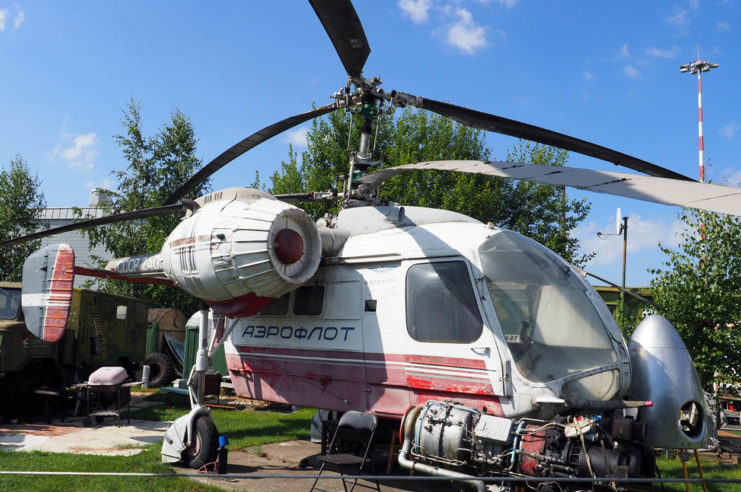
point(345, 31)
point(243, 146)
point(498, 124)
point(702, 196)
point(108, 219)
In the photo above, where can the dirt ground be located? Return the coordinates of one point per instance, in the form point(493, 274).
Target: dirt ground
point(286, 458)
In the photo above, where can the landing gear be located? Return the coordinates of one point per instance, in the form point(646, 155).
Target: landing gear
point(192, 439)
point(203, 445)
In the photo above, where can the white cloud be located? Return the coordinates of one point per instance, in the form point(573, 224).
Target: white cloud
point(417, 10)
point(729, 130)
point(731, 176)
point(3, 18)
point(508, 3)
point(104, 184)
point(297, 137)
point(668, 54)
point(81, 144)
point(723, 26)
point(631, 71)
point(587, 75)
point(465, 34)
point(20, 17)
point(679, 19)
point(81, 154)
point(643, 235)
point(624, 51)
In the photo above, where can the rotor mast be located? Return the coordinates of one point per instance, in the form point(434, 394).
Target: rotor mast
point(365, 102)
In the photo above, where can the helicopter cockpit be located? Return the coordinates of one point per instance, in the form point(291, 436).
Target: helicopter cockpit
point(551, 325)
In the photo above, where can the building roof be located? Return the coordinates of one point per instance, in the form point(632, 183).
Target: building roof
point(71, 213)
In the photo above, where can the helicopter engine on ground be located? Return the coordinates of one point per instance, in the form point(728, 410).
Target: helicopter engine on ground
point(444, 438)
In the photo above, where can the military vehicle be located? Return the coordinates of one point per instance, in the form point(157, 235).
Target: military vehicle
point(102, 329)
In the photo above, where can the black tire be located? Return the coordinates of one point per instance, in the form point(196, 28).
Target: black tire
point(204, 447)
point(161, 372)
point(34, 376)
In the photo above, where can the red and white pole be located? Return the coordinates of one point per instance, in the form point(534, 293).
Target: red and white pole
point(697, 67)
point(702, 144)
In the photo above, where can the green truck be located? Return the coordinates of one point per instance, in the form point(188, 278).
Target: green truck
point(102, 329)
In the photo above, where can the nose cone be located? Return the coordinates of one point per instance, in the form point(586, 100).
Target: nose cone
point(663, 372)
point(656, 332)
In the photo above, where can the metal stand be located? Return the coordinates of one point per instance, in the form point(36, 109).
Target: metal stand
point(685, 457)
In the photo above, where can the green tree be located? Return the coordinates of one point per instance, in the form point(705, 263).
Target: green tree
point(156, 166)
point(21, 201)
point(541, 212)
point(698, 291)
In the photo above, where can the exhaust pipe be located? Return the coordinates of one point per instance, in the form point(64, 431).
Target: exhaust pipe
point(435, 470)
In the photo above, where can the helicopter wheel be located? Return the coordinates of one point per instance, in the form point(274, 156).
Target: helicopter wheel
point(204, 445)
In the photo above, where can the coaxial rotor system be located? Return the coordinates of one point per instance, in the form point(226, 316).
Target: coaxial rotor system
point(364, 95)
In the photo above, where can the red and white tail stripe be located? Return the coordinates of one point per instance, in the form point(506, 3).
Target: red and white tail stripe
point(48, 277)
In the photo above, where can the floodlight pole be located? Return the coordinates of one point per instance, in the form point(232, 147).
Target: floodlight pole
point(624, 230)
point(698, 67)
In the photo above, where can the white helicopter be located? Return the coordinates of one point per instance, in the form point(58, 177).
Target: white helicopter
point(495, 354)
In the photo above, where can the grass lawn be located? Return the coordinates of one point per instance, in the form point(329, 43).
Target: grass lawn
point(244, 429)
point(672, 468)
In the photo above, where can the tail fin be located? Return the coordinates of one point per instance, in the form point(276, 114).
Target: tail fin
point(48, 276)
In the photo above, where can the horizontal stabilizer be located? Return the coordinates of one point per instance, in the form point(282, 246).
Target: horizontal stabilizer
point(48, 276)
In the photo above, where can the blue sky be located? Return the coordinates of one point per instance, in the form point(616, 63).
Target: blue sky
point(604, 72)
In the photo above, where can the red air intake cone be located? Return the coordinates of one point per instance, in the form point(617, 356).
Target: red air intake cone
point(288, 246)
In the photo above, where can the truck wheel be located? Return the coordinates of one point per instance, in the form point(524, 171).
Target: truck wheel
point(8, 405)
point(204, 445)
point(161, 371)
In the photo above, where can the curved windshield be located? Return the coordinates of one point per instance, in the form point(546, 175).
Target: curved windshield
point(551, 326)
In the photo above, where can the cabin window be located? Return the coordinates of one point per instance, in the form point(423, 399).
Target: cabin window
point(308, 300)
point(441, 305)
point(10, 300)
point(277, 307)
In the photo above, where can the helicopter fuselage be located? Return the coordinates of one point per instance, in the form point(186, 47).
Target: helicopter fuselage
point(407, 313)
point(495, 354)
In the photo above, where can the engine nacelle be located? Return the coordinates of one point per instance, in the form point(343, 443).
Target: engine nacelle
point(663, 372)
point(242, 242)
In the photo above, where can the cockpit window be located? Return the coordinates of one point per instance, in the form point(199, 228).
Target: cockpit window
point(550, 324)
point(441, 305)
point(10, 301)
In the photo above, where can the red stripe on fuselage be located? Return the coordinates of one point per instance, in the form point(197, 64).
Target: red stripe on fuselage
point(383, 383)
